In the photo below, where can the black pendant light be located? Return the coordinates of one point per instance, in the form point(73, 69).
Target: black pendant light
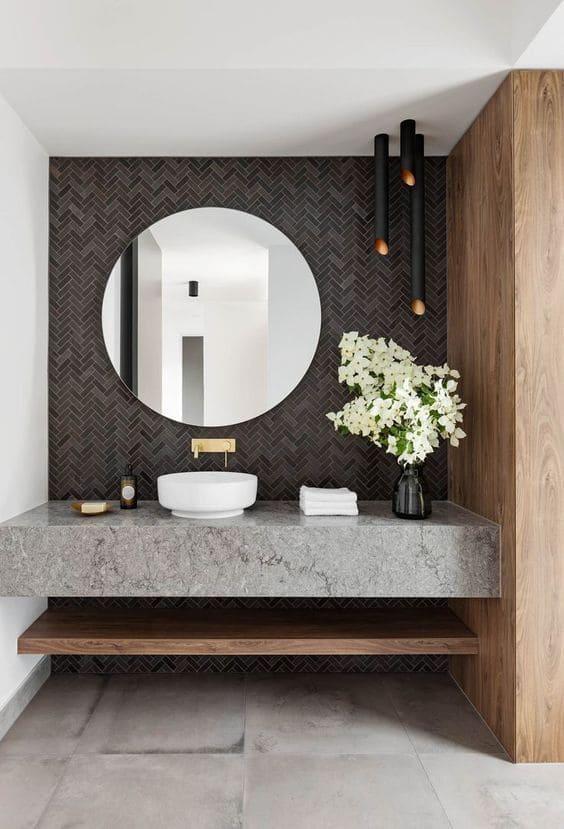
point(418, 229)
point(407, 152)
point(381, 193)
point(193, 288)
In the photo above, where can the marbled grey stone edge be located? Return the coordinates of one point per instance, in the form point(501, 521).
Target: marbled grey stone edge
point(272, 550)
point(23, 695)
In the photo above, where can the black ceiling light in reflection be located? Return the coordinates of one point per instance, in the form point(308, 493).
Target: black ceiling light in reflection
point(418, 229)
point(407, 152)
point(381, 193)
point(193, 288)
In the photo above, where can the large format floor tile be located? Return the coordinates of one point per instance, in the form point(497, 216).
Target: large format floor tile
point(149, 792)
point(175, 714)
point(343, 792)
point(54, 720)
point(480, 792)
point(437, 715)
point(26, 784)
point(324, 714)
point(331, 751)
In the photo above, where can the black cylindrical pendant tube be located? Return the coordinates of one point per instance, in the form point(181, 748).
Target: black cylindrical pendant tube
point(192, 288)
point(381, 193)
point(418, 230)
point(407, 151)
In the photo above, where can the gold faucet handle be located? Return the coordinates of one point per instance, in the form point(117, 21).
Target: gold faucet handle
point(229, 446)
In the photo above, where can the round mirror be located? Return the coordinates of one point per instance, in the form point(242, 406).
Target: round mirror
point(211, 316)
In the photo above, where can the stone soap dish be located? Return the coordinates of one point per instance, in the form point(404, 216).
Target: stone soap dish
point(91, 507)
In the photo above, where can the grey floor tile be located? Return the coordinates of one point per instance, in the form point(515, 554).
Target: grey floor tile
point(141, 792)
point(26, 784)
point(194, 713)
point(323, 714)
point(437, 715)
point(480, 792)
point(341, 792)
point(55, 718)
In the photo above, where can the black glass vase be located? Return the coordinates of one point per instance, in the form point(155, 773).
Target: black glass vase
point(411, 497)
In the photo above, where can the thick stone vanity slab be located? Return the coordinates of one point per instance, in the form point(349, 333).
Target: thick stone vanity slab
point(270, 550)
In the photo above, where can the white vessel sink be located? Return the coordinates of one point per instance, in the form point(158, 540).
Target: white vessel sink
point(207, 494)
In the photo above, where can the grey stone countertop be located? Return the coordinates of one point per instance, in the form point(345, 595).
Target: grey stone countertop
point(270, 550)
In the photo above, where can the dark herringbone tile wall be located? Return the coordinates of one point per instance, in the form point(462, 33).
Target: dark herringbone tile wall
point(324, 205)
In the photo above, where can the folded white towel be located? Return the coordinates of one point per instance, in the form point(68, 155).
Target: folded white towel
point(341, 495)
point(304, 502)
point(338, 509)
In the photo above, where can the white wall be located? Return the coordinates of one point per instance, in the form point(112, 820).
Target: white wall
point(231, 315)
point(23, 359)
point(183, 316)
point(235, 361)
point(294, 322)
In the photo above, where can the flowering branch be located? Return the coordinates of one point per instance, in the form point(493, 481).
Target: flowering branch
point(399, 405)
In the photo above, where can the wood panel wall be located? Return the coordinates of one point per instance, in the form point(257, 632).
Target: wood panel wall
point(481, 346)
point(539, 373)
point(506, 335)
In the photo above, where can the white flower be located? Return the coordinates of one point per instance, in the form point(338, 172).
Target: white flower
point(399, 405)
point(456, 437)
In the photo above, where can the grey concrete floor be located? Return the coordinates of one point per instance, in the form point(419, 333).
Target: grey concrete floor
point(265, 752)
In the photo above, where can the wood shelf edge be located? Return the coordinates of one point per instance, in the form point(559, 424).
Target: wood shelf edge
point(258, 632)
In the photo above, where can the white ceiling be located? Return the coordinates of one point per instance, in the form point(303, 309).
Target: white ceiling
point(180, 77)
point(546, 50)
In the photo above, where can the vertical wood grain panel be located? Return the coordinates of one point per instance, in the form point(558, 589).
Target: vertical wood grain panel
point(481, 345)
point(506, 334)
point(539, 337)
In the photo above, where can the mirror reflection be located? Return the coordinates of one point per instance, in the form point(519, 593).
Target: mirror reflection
point(211, 316)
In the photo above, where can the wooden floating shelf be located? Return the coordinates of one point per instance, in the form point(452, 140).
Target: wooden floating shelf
point(248, 632)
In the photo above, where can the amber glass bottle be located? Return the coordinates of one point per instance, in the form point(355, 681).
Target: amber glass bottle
point(128, 489)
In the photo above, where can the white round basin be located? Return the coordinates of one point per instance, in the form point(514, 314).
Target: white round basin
point(207, 494)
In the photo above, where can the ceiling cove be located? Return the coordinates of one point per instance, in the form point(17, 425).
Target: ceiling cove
point(179, 77)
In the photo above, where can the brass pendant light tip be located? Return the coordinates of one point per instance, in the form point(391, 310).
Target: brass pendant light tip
point(407, 177)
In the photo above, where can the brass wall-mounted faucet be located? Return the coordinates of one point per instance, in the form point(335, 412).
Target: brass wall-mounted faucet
point(225, 445)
